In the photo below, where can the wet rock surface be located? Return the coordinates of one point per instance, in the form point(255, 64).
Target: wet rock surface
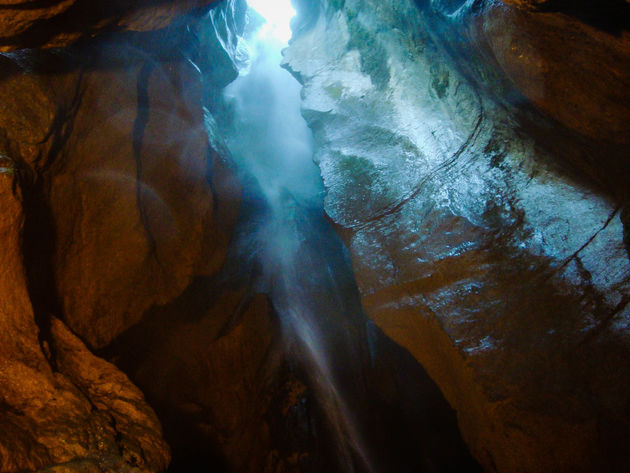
point(477, 173)
point(210, 364)
point(110, 208)
point(135, 210)
point(73, 412)
point(226, 378)
point(108, 142)
point(484, 238)
point(571, 59)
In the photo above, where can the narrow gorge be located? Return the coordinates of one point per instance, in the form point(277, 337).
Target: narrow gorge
point(315, 236)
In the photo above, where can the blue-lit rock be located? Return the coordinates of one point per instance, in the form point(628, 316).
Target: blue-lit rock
point(475, 243)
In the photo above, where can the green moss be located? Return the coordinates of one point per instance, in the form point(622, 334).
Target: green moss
point(334, 90)
point(359, 172)
point(373, 55)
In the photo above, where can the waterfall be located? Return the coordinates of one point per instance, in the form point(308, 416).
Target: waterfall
point(305, 269)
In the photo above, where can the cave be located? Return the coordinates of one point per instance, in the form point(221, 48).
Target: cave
point(315, 236)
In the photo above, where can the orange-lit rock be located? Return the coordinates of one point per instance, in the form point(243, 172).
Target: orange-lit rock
point(69, 408)
point(212, 365)
point(106, 170)
point(135, 215)
point(575, 70)
point(28, 24)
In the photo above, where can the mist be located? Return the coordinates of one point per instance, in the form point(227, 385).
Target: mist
point(305, 269)
point(268, 136)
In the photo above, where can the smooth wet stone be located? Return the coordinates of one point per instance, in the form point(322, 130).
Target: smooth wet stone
point(477, 245)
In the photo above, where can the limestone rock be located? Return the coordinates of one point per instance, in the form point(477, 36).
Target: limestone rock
point(112, 148)
point(69, 411)
point(105, 170)
point(573, 63)
point(221, 348)
point(130, 202)
point(28, 24)
point(482, 242)
point(137, 431)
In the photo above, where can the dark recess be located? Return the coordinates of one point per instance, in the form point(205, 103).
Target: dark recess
point(612, 16)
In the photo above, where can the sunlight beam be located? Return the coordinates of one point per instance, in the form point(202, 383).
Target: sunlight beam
point(278, 14)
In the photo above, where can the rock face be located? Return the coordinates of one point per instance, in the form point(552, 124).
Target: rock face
point(221, 350)
point(216, 365)
point(571, 59)
point(117, 176)
point(135, 215)
point(488, 240)
point(24, 23)
point(110, 207)
point(109, 143)
point(215, 362)
point(71, 412)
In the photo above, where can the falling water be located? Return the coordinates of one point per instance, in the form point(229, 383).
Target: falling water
point(303, 263)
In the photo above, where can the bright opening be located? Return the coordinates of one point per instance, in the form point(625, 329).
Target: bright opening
point(278, 14)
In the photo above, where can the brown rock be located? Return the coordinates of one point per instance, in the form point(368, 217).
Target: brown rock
point(121, 178)
point(533, 4)
point(74, 408)
point(108, 191)
point(136, 428)
point(24, 23)
point(131, 202)
point(212, 365)
point(575, 71)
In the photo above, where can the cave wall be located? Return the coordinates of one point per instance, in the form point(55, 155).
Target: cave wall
point(570, 59)
point(113, 202)
point(475, 168)
point(58, 23)
point(121, 203)
point(135, 214)
point(73, 411)
point(475, 162)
